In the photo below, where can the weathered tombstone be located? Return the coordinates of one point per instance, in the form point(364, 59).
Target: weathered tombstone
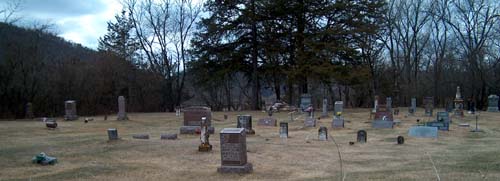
point(122, 114)
point(29, 111)
point(70, 110)
point(168, 136)
point(338, 121)
point(383, 119)
point(375, 104)
point(205, 144)
point(429, 105)
point(361, 136)
point(401, 140)
point(141, 136)
point(233, 148)
point(112, 134)
point(245, 121)
point(459, 103)
point(283, 130)
point(305, 101)
point(192, 120)
point(323, 133)
point(388, 104)
point(51, 123)
point(339, 107)
point(423, 132)
point(324, 114)
point(413, 107)
point(493, 103)
point(310, 121)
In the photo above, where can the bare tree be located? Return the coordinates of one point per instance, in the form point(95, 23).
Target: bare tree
point(9, 11)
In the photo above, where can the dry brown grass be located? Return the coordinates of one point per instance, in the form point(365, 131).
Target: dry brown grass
point(85, 154)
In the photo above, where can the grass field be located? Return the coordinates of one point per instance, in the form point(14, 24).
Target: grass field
point(85, 154)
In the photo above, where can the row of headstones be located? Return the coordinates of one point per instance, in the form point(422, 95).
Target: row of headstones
point(70, 111)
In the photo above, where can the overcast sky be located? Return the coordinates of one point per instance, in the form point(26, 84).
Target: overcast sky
point(80, 21)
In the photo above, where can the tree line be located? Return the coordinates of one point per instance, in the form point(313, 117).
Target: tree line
point(241, 54)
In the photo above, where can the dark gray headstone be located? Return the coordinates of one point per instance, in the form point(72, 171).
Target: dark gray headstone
point(283, 130)
point(323, 133)
point(168, 136)
point(423, 132)
point(493, 103)
point(112, 134)
point(122, 114)
point(140, 136)
point(361, 136)
point(401, 140)
point(70, 110)
point(245, 121)
point(233, 150)
point(29, 111)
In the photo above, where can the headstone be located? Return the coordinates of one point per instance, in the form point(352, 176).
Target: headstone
point(423, 132)
point(178, 112)
point(339, 107)
point(428, 105)
point(338, 122)
point(168, 136)
point(122, 114)
point(383, 119)
point(245, 121)
point(324, 114)
point(112, 134)
point(51, 123)
point(323, 133)
point(283, 130)
point(388, 104)
point(413, 107)
point(267, 121)
point(310, 122)
point(233, 150)
point(192, 120)
point(361, 136)
point(205, 144)
point(375, 104)
point(29, 111)
point(141, 136)
point(459, 103)
point(493, 103)
point(70, 110)
point(305, 101)
point(401, 140)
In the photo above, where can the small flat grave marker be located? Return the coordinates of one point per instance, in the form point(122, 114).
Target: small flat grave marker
point(323, 133)
point(423, 132)
point(283, 130)
point(112, 134)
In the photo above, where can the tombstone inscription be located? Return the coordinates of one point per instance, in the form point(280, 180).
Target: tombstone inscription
point(233, 150)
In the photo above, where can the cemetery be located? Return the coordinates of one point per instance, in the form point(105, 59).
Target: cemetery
point(215, 90)
point(147, 146)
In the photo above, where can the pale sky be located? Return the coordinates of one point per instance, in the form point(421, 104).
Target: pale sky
point(79, 21)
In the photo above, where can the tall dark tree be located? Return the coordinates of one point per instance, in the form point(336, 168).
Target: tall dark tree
point(119, 39)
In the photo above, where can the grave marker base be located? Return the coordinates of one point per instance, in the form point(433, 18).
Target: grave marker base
point(247, 168)
point(205, 147)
